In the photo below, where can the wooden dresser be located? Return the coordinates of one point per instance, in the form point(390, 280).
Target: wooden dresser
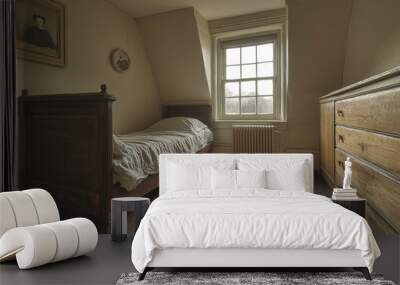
point(362, 121)
point(65, 147)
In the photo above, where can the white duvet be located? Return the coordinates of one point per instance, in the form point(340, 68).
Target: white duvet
point(250, 219)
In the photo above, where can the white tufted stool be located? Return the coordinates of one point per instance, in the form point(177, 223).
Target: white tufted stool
point(31, 230)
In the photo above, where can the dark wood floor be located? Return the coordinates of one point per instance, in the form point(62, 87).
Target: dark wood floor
point(103, 266)
point(110, 260)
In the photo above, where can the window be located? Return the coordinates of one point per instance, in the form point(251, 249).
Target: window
point(248, 78)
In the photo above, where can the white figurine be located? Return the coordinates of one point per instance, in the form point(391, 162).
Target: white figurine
point(347, 174)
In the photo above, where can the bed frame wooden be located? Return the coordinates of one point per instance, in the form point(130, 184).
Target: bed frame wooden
point(65, 147)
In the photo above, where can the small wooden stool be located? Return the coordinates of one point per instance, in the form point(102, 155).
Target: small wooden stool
point(119, 208)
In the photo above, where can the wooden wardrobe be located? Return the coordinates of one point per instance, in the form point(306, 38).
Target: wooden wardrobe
point(362, 121)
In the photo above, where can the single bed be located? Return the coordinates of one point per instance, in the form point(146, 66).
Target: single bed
point(269, 217)
point(155, 140)
point(135, 155)
point(66, 147)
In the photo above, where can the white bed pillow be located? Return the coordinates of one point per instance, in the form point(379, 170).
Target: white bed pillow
point(287, 175)
point(292, 179)
point(178, 124)
point(223, 179)
point(227, 179)
point(183, 177)
point(251, 178)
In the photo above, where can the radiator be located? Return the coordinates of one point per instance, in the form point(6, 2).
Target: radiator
point(252, 139)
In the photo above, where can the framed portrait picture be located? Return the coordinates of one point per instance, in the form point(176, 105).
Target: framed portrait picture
point(40, 31)
point(120, 60)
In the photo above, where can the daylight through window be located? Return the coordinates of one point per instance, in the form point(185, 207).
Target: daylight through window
point(248, 78)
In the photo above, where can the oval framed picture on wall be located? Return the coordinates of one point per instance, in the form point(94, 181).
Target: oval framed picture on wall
point(120, 60)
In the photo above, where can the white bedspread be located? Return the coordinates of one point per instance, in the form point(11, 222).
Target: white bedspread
point(135, 155)
point(250, 219)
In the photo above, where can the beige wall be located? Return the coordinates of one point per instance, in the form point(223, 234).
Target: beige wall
point(173, 45)
point(206, 45)
point(94, 28)
point(317, 38)
point(317, 32)
point(373, 43)
point(179, 49)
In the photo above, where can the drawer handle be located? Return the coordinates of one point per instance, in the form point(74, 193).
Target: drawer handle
point(340, 113)
point(341, 138)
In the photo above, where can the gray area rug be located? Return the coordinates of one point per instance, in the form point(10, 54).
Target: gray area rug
point(229, 278)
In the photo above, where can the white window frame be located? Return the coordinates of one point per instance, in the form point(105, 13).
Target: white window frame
point(273, 33)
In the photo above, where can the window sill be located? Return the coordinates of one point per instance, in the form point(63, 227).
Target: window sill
point(225, 124)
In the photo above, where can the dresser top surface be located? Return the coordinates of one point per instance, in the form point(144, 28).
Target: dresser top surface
point(381, 77)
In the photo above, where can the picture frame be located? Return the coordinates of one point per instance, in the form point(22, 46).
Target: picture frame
point(40, 31)
point(120, 60)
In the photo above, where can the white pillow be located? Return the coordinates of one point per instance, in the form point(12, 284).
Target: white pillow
point(226, 179)
point(292, 179)
point(178, 124)
point(282, 174)
point(183, 177)
point(251, 178)
point(223, 179)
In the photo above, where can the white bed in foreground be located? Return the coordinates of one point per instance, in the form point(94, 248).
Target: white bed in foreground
point(199, 223)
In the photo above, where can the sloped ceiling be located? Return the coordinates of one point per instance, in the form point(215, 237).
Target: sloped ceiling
point(209, 9)
point(174, 49)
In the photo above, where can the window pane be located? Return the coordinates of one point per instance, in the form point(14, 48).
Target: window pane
point(248, 70)
point(249, 105)
point(265, 105)
point(232, 89)
point(265, 52)
point(248, 88)
point(232, 106)
point(249, 54)
point(265, 69)
point(232, 56)
point(233, 72)
point(265, 87)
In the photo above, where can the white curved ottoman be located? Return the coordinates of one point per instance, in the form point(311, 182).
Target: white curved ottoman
point(31, 232)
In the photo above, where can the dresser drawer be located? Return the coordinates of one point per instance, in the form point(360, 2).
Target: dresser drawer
point(382, 193)
point(381, 150)
point(378, 225)
point(377, 111)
